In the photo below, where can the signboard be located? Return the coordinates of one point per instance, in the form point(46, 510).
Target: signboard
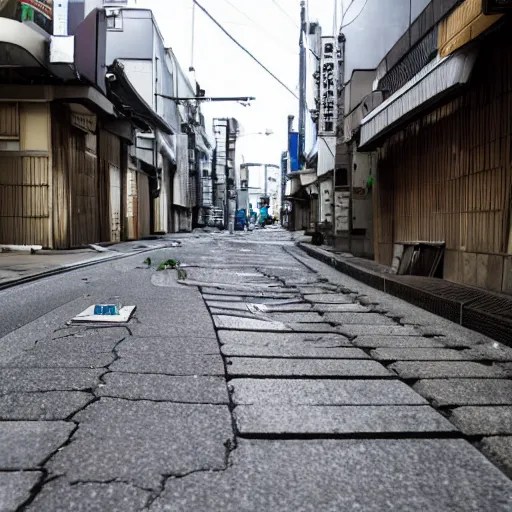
point(293, 148)
point(84, 122)
point(328, 88)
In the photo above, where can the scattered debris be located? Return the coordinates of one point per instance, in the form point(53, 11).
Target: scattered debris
point(182, 274)
point(99, 248)
point(147, 261)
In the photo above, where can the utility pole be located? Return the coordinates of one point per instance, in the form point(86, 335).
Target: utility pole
point(191, 68)
point(302, 86)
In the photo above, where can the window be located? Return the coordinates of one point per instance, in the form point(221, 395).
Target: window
point(341, 178)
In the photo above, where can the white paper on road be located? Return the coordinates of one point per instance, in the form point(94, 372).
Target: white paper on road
point(88, 315)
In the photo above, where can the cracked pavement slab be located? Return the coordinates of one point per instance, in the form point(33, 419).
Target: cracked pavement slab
point(192, 389)
point(325, 420)
point(19, 380)
point(42, 406)
point(154, 425)
point(432, 475)
point(26, 444)
point(261, 367)
point(141, 441)
point(60, 496)
point(16, 488)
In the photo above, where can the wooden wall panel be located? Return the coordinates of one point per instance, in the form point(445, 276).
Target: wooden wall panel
point(9, 121)
point(450, 173)
point(24, 201)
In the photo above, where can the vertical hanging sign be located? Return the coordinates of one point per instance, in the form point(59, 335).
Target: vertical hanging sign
point(60, 17)
point(328, 88)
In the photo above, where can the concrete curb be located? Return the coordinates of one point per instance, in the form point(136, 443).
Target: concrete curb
point(70, 268)
point(457, 311)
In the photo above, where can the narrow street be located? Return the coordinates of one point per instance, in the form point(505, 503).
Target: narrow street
point(264, 381)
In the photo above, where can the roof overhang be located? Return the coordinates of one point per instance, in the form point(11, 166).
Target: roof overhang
point(434, 82)
point(21, 45)
point(130, 103)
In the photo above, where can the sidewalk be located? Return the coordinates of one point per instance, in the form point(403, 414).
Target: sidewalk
point(19, 266)
point(477, 309)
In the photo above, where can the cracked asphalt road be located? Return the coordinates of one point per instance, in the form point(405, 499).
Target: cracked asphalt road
point(264, 381)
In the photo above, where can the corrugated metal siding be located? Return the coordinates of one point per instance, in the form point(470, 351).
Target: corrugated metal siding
point(448, 176)
point(24, 205)
point(9, 120)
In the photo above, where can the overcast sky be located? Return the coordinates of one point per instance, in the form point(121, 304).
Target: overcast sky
point(269, 29)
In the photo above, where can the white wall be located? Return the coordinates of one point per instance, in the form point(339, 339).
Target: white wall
point(374, 32)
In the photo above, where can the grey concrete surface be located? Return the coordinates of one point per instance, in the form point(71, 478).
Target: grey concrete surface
point(146, 416)
point(191, 389)
point(376, 330)
point(60, 496)
point(16, 487)
point(446, 369)
point(358, 318)
point(42, 406)
point(323, 392)
point(396, 342)
point(141, 441)
point(19, 380)
point(499, 449)
point(271, 339)
point(484, 421)
point(371, 475)
point(323, 420)
point(26, 444)
point(291, 351)
point(466, 391)
point(421, 354)
point(256, 366)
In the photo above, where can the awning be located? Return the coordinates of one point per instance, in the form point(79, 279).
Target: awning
point(131, 104)
point(21, 45)
point(308, 178)
point(433, 82)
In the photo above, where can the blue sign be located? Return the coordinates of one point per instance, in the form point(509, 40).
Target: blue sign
point(293, 148)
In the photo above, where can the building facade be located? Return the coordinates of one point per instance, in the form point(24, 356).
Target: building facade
point(436, 117)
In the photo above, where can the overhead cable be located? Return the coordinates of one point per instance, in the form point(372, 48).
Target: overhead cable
point(354, 19)
point(285, 13)
point(244, 49)
point(281, 43)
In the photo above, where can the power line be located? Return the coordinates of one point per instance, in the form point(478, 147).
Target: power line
point(285, 13)
point(259, 26)
point(244, 49)
point(354, 19)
